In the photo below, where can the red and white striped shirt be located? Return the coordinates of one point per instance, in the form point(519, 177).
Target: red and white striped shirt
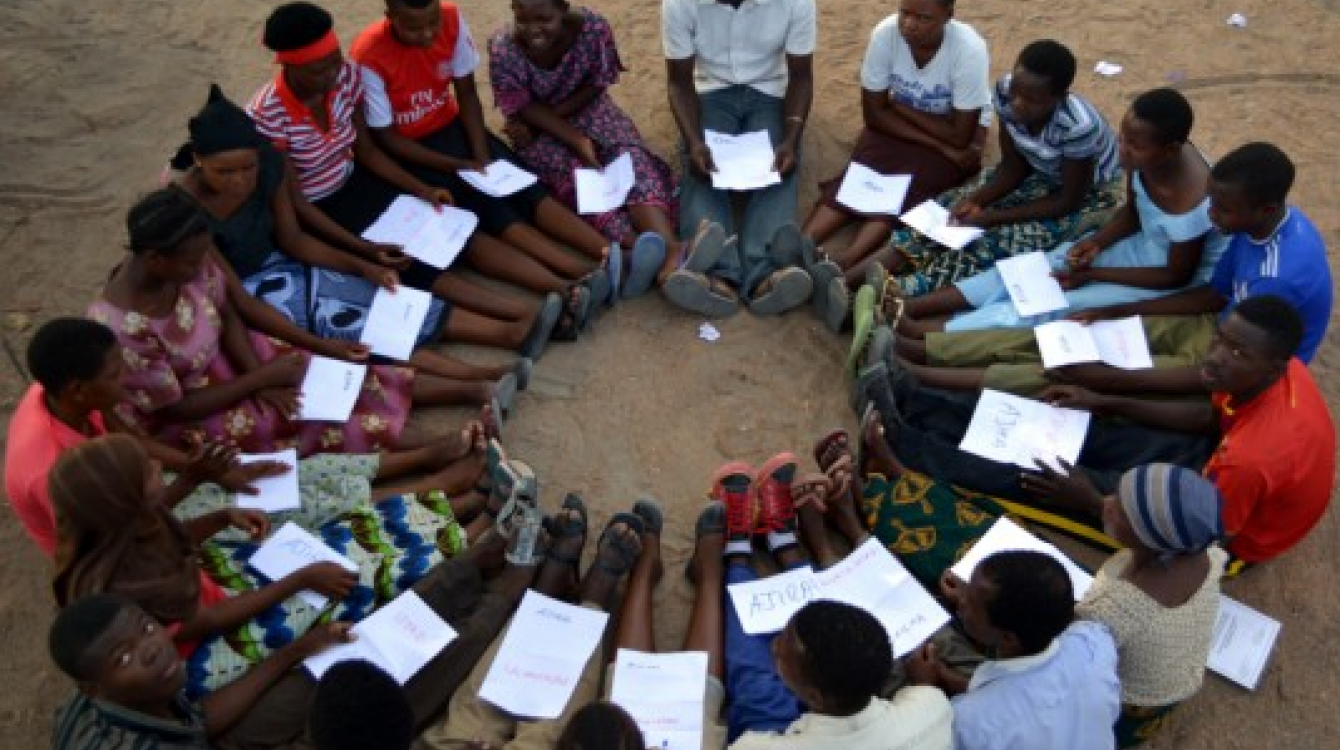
point(323, 159)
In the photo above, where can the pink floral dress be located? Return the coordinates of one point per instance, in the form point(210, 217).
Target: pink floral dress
point(170, 356)
point(593, 60)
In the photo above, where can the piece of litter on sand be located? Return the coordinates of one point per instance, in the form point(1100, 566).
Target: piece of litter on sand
point(708, 332)
point(1237, 20)
point(1175, 76)
point(1105, 68)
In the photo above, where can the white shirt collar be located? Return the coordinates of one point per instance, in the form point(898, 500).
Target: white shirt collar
point(989, 671)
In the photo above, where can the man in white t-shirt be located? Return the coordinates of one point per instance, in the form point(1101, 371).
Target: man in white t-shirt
point(735, 67)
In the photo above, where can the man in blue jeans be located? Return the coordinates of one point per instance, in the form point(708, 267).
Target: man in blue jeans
point(736, 67)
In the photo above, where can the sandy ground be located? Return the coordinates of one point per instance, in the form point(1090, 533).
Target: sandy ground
point(94, 95)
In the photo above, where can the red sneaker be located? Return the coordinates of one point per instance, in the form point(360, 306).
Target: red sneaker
point(772, 486)
point(731, 486)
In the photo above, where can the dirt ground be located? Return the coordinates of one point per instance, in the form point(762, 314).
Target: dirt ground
point(94, 95)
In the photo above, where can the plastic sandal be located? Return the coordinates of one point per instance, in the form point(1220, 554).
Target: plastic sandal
point(626, 547)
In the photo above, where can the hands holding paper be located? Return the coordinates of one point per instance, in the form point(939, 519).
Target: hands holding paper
point(349, 351)
point(700, 160)
point(1067, 488)
point(253, 523)
point(322, 637)
point(968, 212)
point(389, 255)
point(325, 578)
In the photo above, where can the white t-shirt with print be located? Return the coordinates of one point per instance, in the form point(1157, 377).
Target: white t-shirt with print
point(958, 77)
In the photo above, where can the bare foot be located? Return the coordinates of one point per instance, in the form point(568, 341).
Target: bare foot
point(558, 574)
point(810, 496)
point(619, 548)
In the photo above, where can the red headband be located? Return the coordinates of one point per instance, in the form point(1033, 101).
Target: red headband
point(312, 52)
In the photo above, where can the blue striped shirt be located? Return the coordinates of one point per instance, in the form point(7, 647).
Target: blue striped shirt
point(1076, 131)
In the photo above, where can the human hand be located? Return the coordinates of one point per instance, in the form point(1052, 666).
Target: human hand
point(784, 159)
point(238, 480)
point(284, 370)
point(323, 636)
point(968, 159)
point(1072, 279)
point(700, 161)
point(1071, 397)
point(327, 579)
point(1065, 487)
point(209, 461)
point(254, 523)
point(966, 211)
point(519, 133)
point(389, 255)
point(384, 277)
point(283, 400)
point(437, 197)
point(586, 152)
point(923, 666)
point(349, 351)
point(1082, 254)
point(1095, 314)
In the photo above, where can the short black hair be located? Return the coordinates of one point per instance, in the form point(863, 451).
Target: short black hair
point(1033, 597)
point(1260, 171)
point(1168, 112)
point(296, 25)
point(68, 350)
point(415, 4)
point(847, 654)
point(601, 725)
point(162, 220)
point(76, 628)
point(1276, 318)
point(357, 706)
point(1051, 60)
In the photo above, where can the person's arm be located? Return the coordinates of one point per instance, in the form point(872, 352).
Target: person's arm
point(1173, 416)
point(290, 237)
point(956, 129)
point(1010, 173)
point(879, 114)
point(1097, 376)
point(370, 155)
point(686, 108)
point(1183, 259)
point(795, 110)
point(325, 578)
point(554, 121)
point(225, 706)
point(1198, 300)
point(1076, 181)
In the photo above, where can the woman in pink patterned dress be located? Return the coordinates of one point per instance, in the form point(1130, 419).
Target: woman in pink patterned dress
point(194, 364)
point(551, 72)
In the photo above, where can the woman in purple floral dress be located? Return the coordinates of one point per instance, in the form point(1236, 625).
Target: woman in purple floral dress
point(550, 73)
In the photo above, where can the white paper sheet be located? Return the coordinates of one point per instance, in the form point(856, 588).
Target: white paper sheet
point(273, 494)
point(434, 236)
point(1243, 640)
point(743, 162)
point(291, 548)
point(767, 604)
point(604, 190)
point(400, 638)
point(531, 677)
point(664, 695)
point(499, 179)
point(1119, 343)
point(1029, 281)
point(1005, 535)
point(932, 220)
point(394, 321)
point(876, 581)
point(329, 389)
point(869, 192)
point(1012, 429)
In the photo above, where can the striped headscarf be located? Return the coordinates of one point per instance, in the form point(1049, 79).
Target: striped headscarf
point(1171, 509)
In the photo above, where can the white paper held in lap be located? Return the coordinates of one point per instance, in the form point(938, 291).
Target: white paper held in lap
point(499, 179)
point(394, 321)
point(932, 220)
point(1119, 343)
point(869, 192)
point(401, 638)
point(601, 190)
point(329, 389)
point(874, 580)
point(273, 494)
point(1243, 640)
point(433, 235)
point(531, 676)
point(766, 605)
point(1004, 536)
point(1031, 286)
point(743, 162)
point(664, 695)
point(291, 548)
point(1015, 430)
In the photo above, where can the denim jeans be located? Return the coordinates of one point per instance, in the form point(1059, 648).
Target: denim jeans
point(736, 110)
point(758, 700)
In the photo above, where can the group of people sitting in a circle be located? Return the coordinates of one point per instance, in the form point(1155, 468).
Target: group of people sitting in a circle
point(122, 460)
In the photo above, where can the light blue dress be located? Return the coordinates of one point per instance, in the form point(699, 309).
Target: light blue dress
point(1148, 247)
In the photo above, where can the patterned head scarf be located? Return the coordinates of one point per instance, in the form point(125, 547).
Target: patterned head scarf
point(1171, 509)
